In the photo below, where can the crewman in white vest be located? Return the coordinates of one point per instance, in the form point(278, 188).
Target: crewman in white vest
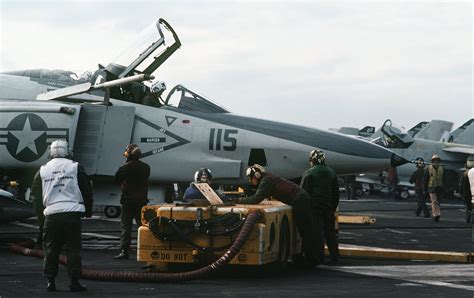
point(466, 187)
point(433, 182)
point(470, 174)
point(62, 194)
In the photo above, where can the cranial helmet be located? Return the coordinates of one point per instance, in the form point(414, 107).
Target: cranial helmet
point(132, 151)
point(317, 156)
point(419, 162)
point(470, 162)
point(157, 87)
point(256, 171)
point(203, 175)
point(59, 148)
point(435, 158)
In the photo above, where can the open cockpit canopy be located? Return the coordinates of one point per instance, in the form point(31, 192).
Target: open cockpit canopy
point(147, 51)
point(394, 136)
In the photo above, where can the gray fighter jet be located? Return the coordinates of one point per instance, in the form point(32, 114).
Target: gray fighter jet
point(463, 134)
point(453, 156)
point(435, 130)
point(102, 113)
point(12, 209)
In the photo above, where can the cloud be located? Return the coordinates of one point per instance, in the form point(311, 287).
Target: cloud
point(318, 64)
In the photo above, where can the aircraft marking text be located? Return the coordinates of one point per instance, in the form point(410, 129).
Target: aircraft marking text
point(180, 141)
point(153, 140)
point(215, 136)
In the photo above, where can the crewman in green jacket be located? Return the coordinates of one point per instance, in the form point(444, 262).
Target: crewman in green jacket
point(320, 181)
point(274, 187)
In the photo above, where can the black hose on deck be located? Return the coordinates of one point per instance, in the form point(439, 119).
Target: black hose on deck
point(252, 218)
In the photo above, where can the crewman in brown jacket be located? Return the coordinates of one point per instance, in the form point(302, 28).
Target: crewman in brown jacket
point(133, 179)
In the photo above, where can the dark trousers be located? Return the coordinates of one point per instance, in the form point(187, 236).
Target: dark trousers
point(468, 205)
point(59, 229)
point(351, 190)
point(324, 222)
point(303, 219)
point(421, 202)
point(129, 212)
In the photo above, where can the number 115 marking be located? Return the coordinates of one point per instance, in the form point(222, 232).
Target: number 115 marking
point(216, 136)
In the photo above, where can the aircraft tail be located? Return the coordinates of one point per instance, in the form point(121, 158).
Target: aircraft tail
point(367, 131)
point(416, 129)
point(434, 130)
point(467, 136)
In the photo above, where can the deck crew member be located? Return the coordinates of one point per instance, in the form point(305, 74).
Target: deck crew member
point(470, 175)
point(133, 178)
point(417, 178)
point(62, 193)
point(320, 181)
point(433, 183)
point(202, 175)
point(467, 187)
point(271, 186)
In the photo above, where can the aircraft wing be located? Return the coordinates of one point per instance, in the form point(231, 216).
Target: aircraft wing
point(459, 149)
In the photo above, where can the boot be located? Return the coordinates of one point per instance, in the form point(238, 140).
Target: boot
point(123, 255)
point(51, 287)
point(417, 212)
point(333, 262)
point(75, 286)
point(436, 218)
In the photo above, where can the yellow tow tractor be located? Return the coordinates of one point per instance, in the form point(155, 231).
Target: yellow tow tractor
point(201, 232)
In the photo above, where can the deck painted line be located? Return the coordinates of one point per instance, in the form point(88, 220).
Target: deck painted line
point(434, 275)
point(101, 236)
point(399, 254)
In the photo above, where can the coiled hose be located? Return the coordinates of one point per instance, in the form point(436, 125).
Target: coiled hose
point(155, 277)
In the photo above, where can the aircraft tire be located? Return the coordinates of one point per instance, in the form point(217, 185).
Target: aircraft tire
point(112, 211)
point(404, 194)
point(283, 245)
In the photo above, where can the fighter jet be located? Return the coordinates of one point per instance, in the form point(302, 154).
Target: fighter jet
point(453, 155)
point(99, 114)
point(435, 130)
point(12, 209)
point(463, 134)
point(365, 132)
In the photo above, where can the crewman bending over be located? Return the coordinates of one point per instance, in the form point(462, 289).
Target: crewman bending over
point(271, 186)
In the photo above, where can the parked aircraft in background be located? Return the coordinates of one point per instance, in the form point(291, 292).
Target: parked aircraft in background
point(453, 156)
point(365, 132)
point(416, 129)
point(463, 134)
point(435, 130)
point(101, 113)
point(12, 209)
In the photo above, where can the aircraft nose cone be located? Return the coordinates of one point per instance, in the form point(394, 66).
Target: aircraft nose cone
point(397, 160)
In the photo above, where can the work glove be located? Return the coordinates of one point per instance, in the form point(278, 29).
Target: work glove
point(88, 212)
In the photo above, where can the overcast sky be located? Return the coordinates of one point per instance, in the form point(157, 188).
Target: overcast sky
point(319, 64)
